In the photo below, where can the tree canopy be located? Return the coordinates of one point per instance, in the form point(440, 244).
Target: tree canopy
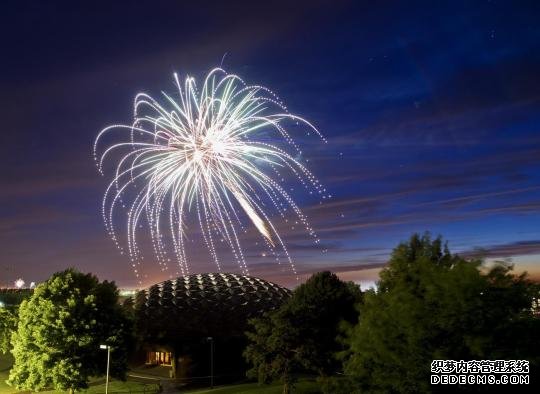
point(60, 329)
point(431, 304)
point(302, 334)
point(10, 299)
point(8, 324)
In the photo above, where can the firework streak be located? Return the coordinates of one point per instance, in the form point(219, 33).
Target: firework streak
point(217, 155)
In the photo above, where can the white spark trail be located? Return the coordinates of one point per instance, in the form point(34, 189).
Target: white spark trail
point(209, 155)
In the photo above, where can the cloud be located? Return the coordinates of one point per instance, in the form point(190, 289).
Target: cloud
point(34, 216)
point(67, 171)
point(359, 273)
point(512, 249)
point(467, 107)
point(460, 201)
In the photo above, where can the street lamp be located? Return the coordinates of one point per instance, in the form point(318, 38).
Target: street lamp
point(211, 340)
point(108, 348)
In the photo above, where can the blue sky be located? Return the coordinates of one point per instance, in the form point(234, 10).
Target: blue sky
point(431, 111)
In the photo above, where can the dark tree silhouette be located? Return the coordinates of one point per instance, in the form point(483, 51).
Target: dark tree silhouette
point(432, 304)
point(302, 334)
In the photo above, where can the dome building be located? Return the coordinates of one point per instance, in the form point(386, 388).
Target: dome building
point(176, 318)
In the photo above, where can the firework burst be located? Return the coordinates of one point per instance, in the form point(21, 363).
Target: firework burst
point(216, 155)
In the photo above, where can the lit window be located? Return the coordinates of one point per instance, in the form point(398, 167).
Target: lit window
point(158, 358)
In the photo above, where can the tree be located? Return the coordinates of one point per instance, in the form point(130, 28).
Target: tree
point(302, 334)
point(431, 304)
point(10, 300)
point(317, 308)
point(61, 326)
point(8, 324)
point(272, 349)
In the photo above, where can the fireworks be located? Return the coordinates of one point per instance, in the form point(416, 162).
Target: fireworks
point(216, 156)
point(19, 283)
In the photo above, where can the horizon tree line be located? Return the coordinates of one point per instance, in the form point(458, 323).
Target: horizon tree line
point(429, 304)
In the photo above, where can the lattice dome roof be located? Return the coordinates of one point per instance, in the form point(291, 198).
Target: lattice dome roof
point(207, 304)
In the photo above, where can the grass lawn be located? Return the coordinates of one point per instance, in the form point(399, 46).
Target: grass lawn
point(302, 387)
point(114, 386)
point(121, 387)
point(5, 365)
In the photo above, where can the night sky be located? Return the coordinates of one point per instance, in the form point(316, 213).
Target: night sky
point(431, 109)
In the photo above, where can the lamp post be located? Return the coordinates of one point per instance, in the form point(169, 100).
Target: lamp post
point(108, 348)
point(211, 340)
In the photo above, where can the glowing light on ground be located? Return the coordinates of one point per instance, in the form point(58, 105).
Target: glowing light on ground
point(218, 155)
